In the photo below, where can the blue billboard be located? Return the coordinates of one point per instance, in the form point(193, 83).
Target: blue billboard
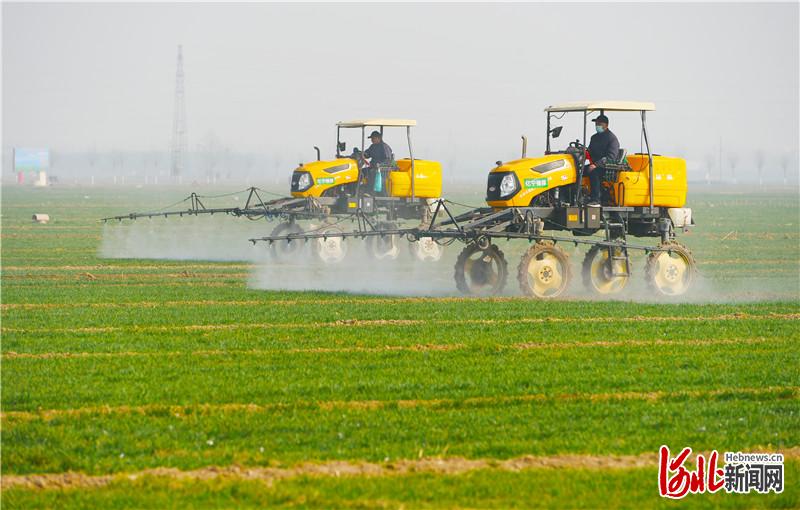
point(31, 159)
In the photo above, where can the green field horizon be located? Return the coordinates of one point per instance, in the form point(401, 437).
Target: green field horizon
point(170, 364)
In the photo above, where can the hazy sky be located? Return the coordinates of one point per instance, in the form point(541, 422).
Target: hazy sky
point(273, 78)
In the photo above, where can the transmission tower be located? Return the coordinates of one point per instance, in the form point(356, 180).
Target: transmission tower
point(178, 150)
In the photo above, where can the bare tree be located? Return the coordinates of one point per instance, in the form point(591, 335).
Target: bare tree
point(91, 157)
point(210, 151)
point(118, 165)
point(760, 159)
point(733, 160)
point(785, 159)
point(710, 160)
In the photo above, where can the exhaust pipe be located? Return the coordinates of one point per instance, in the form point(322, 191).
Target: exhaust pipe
point(524, 146)
point(317, 149)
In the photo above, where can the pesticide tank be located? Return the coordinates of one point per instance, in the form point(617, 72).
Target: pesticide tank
point(669, 182)
point(427, 179)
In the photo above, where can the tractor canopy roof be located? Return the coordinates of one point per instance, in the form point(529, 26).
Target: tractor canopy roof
point(377, 123)
point(609, 106)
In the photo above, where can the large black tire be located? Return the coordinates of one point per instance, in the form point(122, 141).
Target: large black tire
point(671, 273)
point(544, 271)
point(384, 247)
point(481, 271)
point(596, 275)
point(284, 251)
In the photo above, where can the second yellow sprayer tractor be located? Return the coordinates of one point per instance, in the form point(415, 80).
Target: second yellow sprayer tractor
point(533, 198)
point(325, 194)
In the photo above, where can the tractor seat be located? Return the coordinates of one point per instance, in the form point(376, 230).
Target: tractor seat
point(621, 163)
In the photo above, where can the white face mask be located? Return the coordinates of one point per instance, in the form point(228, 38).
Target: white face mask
point(599, 128)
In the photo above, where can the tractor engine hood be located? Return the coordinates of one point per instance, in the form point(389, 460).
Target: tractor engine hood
point(311, 179)
point(515, 183)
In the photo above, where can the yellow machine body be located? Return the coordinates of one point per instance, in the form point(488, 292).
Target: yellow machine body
point(325, 175)
point(669, 182)
point(534, 177)
point(631, 188)
point(427, 179)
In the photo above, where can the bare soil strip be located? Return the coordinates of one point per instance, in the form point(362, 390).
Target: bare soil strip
point(740, 262)
point(266, 302)
point(387, 348)
point(125, 276)
point(404, 322)
point(86, 283)
point(784, 392)
point(338, 301)
point(38, 235)
point(431, 465)
point(219, 352)
point(102, 267)
point(49, 227)
point(61, 249)
point(153, 304)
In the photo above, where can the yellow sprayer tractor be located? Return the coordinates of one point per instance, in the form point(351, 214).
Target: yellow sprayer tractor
point(643, 195)
point(327, 193)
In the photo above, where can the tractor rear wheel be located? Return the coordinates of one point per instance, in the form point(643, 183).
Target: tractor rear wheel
point(385, 247)
point(672, 272)
point(481, 271)
point(283, 251)
point(598, 272)
point(330, 250)
point(544, 271)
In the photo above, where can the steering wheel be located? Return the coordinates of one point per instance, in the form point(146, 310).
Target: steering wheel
point(582, 153)
point(359, 157)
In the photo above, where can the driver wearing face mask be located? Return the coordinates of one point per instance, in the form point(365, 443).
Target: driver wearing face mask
point(603, 148)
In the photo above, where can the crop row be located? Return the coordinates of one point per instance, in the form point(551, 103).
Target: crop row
point(105, 443)
point(275, 376)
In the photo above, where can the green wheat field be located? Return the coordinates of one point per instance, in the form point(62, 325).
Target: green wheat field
point(168, 383)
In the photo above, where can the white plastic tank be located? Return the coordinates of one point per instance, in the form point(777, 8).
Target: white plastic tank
point(680, 216)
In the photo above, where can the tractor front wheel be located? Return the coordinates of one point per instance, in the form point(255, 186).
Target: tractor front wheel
point(283, 251)
point(481, 271)
point(544, 271)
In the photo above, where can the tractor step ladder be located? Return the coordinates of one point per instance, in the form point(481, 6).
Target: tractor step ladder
point(623, 257)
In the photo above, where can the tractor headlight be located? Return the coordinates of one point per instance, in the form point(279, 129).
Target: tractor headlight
point(301, 181)
point(508, 186)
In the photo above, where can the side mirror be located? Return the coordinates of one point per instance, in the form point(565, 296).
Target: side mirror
point(556, 131)
point(341, 146)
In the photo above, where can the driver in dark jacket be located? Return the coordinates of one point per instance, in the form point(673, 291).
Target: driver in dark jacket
point(379, 151)
point(603, 148)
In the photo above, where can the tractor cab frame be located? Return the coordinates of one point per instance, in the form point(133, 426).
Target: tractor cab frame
point(588, 108)
point(381, 124)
